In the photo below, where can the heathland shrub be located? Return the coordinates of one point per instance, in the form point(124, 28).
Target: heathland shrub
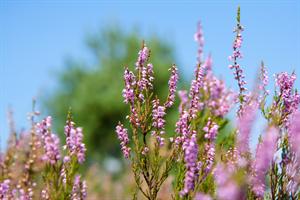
point(202, 168)
point(202, 159)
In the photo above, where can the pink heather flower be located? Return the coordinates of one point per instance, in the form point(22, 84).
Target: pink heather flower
point(201, 196)
point(291, 100)
point(264, 79)
point(134, 117)
point(294, 135)
point(293, 174)
point(143, 57)
point(5, 189)
point(208, 64)
point(227, 188)
point(52, 154)
point(211, 130)
point(172, 87)
point(245, 123)
point(190, 158)
point(79, 190)
point(63, 175)
point(145, 150)
point(50, 141)
point(238, 72)
point(264, 156)
point(150, 73)
point(145, 72)
point(130, 82)
point(158, 113)
point(45, 195)
point(74, 141)
point(182, 128)
point(146, 79)
point(220, 98)
point(196, 85)
point(285, 82)
point(183, 99)
point(123, 137)
point(158, 122)
point(198, 37)
point(21, 194)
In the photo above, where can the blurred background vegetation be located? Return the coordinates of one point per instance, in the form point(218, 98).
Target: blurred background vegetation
point(94, 93)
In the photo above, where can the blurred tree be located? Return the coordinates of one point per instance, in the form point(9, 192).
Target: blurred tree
point(93, 91)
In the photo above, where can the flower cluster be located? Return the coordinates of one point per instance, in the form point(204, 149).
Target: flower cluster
point(227, 188)
point(50, 141)
point(172, 86)
point(211, 130)
point(158, 113)
point(290, 99)
point(245, 123)
point(262, 162)
point(37, 169)
point(123, 137)
point(74, 141)
point(130, 82)
point(264, 79)
point(220, 98)
point(190, 157)
point(79, 189)
point(194, 94)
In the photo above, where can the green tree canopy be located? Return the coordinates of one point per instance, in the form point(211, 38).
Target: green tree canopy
point(93, 91)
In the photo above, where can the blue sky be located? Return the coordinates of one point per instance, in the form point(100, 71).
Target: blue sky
point(36, 37)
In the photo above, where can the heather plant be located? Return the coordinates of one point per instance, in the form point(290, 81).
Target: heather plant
point(36, 166)
point(203, 168)
point(202, 159)
point(147, 121)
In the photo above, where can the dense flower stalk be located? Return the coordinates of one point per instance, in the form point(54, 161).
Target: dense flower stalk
point(227, 188)
point(294, 135)
point(123, 137)
point(220, 99)
point(245, 123)
point(74, 141)
point(172, 86)
point(143, 56)
point(290, 99)
point(293, 174)
point(196, 85)
point(201, 196)
point(211, 130)
point(5, 189)
point(145, 72)
point(264, 79)
point(190, 159)
point(50, 141)
point(79, 190)
point(183, 100)
point(264, 155)
point(130, 82)
point(158, 121)
point(182, 128)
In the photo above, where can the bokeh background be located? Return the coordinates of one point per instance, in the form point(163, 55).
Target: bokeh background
point(72, 54)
